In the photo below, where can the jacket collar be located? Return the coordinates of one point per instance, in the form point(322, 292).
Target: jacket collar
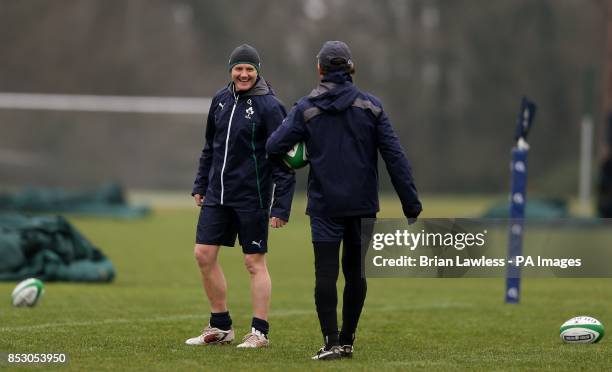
point(330, 81)
point(322, 88)
point(261, 88)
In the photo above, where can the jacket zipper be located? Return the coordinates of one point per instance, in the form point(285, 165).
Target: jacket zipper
point(229, 127)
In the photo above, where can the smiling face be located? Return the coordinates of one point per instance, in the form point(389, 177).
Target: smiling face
point(244, 76)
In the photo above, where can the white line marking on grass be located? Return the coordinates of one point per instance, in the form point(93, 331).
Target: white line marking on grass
point(171, 318)
point(157, 319)
point(102, 322)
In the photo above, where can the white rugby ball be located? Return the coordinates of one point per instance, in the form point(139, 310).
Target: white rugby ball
point(581, 330)
point(28, 292)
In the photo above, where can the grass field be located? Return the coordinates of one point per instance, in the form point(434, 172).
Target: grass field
point(141, 320)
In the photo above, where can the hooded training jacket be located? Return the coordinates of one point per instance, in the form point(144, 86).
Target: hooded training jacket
point(234, 170)
point(343, 129)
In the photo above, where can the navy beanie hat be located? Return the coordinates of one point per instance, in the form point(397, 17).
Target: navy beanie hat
point(244, 54)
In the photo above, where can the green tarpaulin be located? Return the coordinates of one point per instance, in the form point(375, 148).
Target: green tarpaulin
point(48, 248)
point(106, 201)
point(536, 208)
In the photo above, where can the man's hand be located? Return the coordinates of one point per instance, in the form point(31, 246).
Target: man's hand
point(412, 212)
point(276, 222)
point(199, 199)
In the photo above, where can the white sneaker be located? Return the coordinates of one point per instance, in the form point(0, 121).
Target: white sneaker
point(254, 339)
point(211, 336)
point(346, 351)
point(334, 352)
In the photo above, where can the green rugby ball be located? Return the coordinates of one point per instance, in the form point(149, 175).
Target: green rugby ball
point(28, 292)
point(297, 157)
point(581, 330)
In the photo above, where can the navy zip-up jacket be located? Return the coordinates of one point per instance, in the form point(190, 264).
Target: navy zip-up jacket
point(234, 170)
point(343, 129)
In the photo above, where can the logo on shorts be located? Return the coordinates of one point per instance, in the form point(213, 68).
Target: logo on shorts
point(256, 243)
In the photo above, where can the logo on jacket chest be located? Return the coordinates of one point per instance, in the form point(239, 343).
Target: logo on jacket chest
point(248, 113)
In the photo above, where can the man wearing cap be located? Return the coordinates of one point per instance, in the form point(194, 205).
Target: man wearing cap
point(343, 129)
point(239, 192)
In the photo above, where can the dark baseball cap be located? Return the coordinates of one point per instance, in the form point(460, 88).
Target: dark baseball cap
point(335, 55)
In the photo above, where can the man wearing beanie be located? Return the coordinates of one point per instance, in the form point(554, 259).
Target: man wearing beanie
point(343, 129)
point(239, 192)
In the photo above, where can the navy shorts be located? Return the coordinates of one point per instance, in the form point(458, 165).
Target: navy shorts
point(219, 225)
point(336, 229)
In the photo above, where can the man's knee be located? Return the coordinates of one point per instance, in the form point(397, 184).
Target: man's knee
point(352, 262)
point(205, 255)
point(255, 263)
point(326, 260)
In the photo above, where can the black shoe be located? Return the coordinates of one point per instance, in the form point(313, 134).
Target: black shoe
point(346, 351)
point(334, 352)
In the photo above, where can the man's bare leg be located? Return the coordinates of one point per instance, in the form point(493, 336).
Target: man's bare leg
point(219, 330)
point(261, 285)
point(261, 288)
point(213, 279)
